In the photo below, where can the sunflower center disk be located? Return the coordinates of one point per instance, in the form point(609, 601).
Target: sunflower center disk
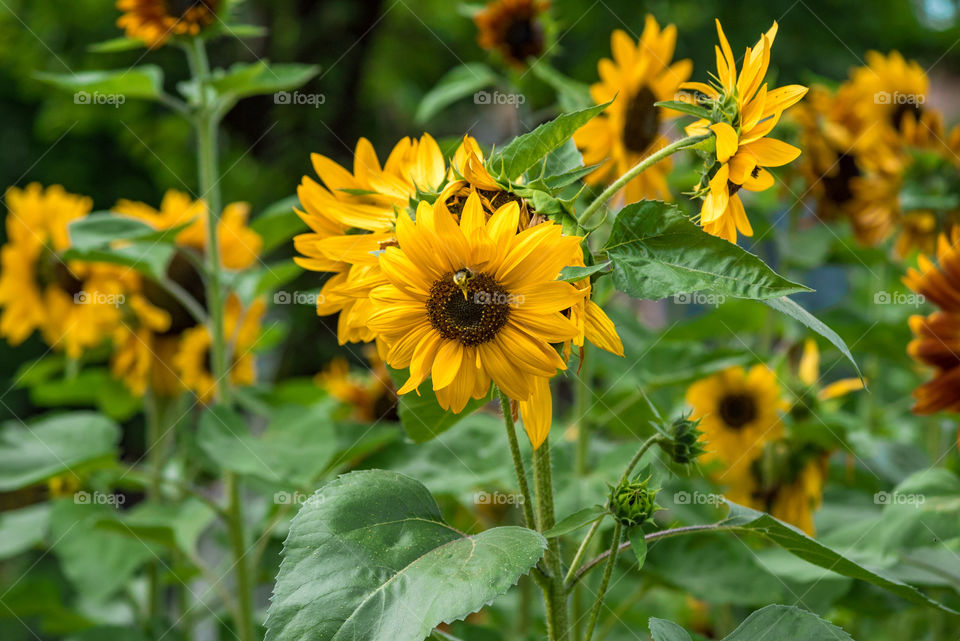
point(839, 187)
point(467, 307)
point(737, 410)
point(179, 8)
point(641, 122)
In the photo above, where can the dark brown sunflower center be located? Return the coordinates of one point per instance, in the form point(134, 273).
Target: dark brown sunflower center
point(737, 410)
point(901, 111)
point(523, 38)
point(838, 187)
point(180, 8)
point(467, 307)
point(55, 273)
point(641, 122)
point(182, 272)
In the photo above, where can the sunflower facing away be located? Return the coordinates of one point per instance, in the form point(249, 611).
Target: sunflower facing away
point(477, 301)
point(155, 21)
point(370, 394)
point(630, 129)
point(739, 413)
point(936, 339)
point(743, 151)
point(513, 28)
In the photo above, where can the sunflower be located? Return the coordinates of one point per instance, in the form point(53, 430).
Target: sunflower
point(746, 112)
point(889, 88)
point(242, 330)
point(513, 28)
point(739, 413)
point(936, 339)
point(640, 75)
point(475, 302)
point(74, 304)
point(155, 21)
point(808, 371)
point(370, 395)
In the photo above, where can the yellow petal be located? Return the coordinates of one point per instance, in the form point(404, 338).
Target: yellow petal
point(726, 140)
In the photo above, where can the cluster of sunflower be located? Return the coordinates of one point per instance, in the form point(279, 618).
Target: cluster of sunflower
point(78, 305)
point(879, 156)
point(761, 440)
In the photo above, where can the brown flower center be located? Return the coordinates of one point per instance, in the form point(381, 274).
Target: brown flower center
point(53, 272)
point(182, 272)
point(837, 187)
point(641, 122)
point(737, 410)
point(467, 307)
point(180, 8)
point(523, 38)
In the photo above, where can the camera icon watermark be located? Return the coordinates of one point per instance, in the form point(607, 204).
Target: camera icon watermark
point(498, 298)
point(498, 98)
point(298, 298)
point(291, 498)
point(697, 498)
point(898, 98)
point(497, 498)
point(298, 98)
point(98, 298)
point(99, 498)
point(896, 498)
point(898, 298)
point(97, 98)
point(699, 298)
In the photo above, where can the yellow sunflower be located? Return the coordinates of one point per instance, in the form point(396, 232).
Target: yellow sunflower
point(74, 304)
point(889, 88)
point(371, 395)
point(937, 336)
point(241, 328)
point(743, 151)
point(792, 499)
point(155, 21)
point(739, 413)
point(513, 28)
point(478, 301)
point(630, 129)
point(808, 372)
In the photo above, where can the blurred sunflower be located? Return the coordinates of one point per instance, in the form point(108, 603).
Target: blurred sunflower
point(513, 28)
point(640, 75)
point(478, 301)
point(744, 112)
point(739, 413)
point(936, 339)
point(808, 371)
point(74, 304)
point(155, 21)
point(371, 395)
point(890, 87)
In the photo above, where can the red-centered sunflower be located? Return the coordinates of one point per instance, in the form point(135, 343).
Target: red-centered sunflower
point(513, 28)
point(478, 301)
point(156, 21)
point(640, 75)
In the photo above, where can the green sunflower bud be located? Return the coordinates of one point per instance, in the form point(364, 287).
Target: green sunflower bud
point(683, 443)
point(632, 502)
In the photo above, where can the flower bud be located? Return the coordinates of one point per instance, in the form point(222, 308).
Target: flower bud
point(632, 502)
point(683, 443)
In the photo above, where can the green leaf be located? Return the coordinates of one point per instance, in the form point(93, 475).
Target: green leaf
point(638, 544)
point(115, 45)
point(245, 30)
point(525, 151)
point(798, 313)
point(370, 557)
point(663, 630)
point(52, 446)
point(786, 623)
point(576, 521)
point(94, 387)
point(572, 273)
point(278, 223)
point(799, 544)
point(572, 94)
point(100, 229)
point(261, 78)
point(22, 529)
point(176, 526)
point(150, 258)
point(457, 83)
point(420, 413)
point(685, 107)
point(145, 81)
point(658, 252)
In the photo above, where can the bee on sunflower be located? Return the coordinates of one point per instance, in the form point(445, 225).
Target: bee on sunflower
point(631, 128)
point(514, 29)
point(74, 304)
point(742, 113)
point(156, 21)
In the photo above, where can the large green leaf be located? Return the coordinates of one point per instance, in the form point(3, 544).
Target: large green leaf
point(772, 623)
point(145, 81)
point(21, 529)
point(101, 229)
point(52, 446)
point(663, 630)
point(525, 151)
point(176, 526)
point(421, 415)
point(150, 258)
point(656, 252)
point(278, 223)
point(370, 557)
point(457, 83)
point(789, 307)
point(260, 78)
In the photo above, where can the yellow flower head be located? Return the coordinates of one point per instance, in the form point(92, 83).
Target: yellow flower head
point(156, 21)
point(513, 28)
point(370, 394)
point(639, 75)
point(744, 111)
point(478, 301)
point(889, 88)
point(808, 371)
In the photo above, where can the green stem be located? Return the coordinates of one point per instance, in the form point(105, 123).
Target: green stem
point(155, 457)
point(607, 573)
point(647, 444)
point(241, 568)
point(632, 173)
point(582, 395)
point(578, 557)
point(517, 459)
point(554, 596)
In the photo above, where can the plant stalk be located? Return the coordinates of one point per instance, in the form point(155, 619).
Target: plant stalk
point(517, 459)
point(555, 595)
point(605, 582)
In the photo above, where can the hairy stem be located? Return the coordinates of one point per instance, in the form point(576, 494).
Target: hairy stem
point(554, 596)
point(607, 573)
point(517, 459)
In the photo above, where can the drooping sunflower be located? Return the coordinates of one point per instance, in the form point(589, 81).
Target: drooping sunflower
point(371, 394)
point(747, 112)
point(513, 28)
point(478, 301)
point(156, 21)
point(74, 304)
point(739, 413)
point(936, 339)
point(640, 75)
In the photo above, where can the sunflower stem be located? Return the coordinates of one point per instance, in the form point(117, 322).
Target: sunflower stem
point(605, 582)
point(582, 394)
point(554, 596)
point(517, 459)
point(578, 557)
point(647, 444)
point(632, 173)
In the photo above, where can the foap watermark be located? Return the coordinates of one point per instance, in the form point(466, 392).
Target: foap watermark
point(98, 298)
point(498, 298)
point(99, 498)
point(896, 498)
point(898, 98)
point(498, 98)
point(299, 98)
point(298, 298)
point(699, 298)
point(290, 498)
point(697, 498)
point(497, 498)
point(899, 298)
point(97, 98)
